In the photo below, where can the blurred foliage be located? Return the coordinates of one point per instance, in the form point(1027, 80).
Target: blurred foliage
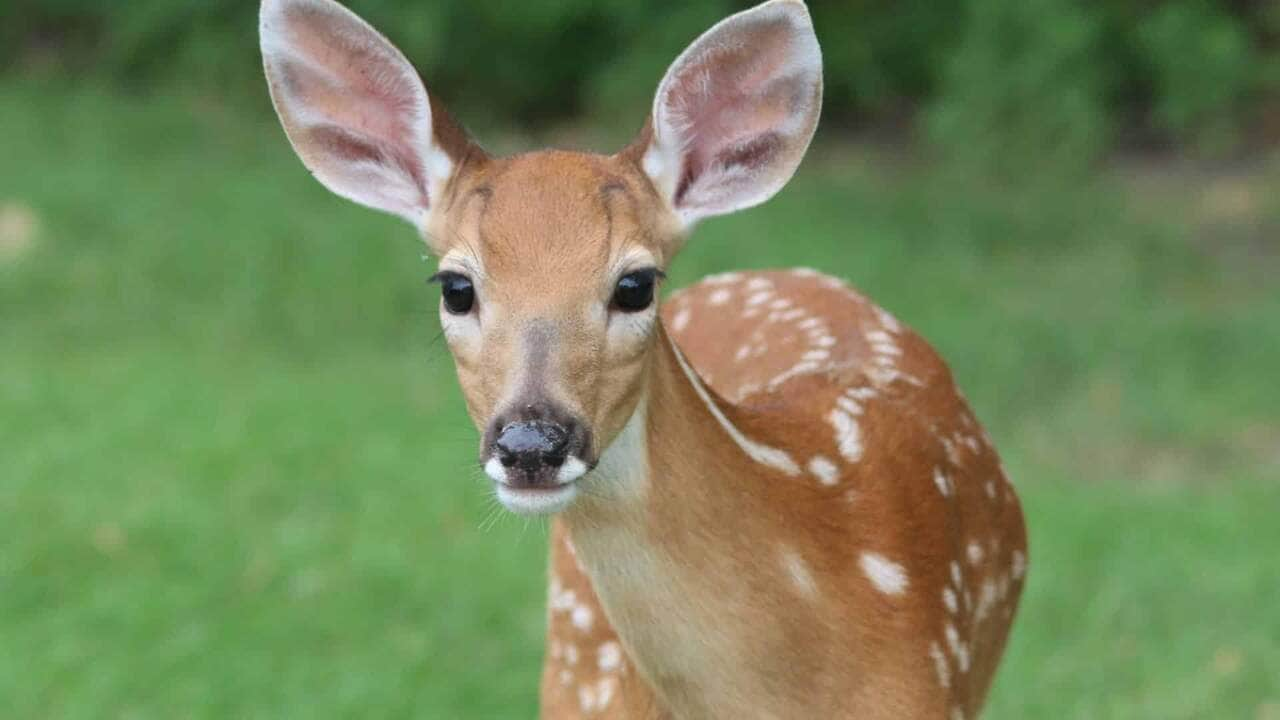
point(1023, 85)
point(1200, 60)
point(1053, 78)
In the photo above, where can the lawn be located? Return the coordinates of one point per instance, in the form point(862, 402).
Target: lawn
point(236, 479)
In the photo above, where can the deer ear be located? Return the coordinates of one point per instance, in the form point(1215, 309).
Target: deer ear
point(735, 112)
point(353, 107)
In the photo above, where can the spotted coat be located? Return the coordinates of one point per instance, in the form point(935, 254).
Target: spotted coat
point(910, 521)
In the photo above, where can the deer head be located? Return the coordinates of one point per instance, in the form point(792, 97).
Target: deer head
point(549, 261)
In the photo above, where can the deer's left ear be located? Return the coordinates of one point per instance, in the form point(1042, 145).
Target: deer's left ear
point(735, 112)
point(354, 108)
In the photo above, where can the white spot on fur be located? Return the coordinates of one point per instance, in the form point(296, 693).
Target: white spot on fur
point(609, 656)
point(949, 599)
point(759, 283)
point(818, 354)
point(681, 320)
point(889, 321)
point(986, 598)
point(719, 297)
point(957, 647)
point(942, 481)
point(571, 654)
point(886, 349)
point(758, 298)
point(825, 470)
point(953, 453)
point(799, 572)
point(561, 600)
point(940, 665)
point(582, 617)
point(848, 434)
point(723, 278)
point(849, 405)
point(1019, 564)
point(975, 553)
point(861, 394)
point(956, 578)
point(763, 454)
point(883, 373)
point(784, 315)
point(780, 304)
point(566, 677)
point(604, 692)
point(809, 323)
point(887, 576)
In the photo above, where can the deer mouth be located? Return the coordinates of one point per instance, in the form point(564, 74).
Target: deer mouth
point(535, 493)
point(536, 500)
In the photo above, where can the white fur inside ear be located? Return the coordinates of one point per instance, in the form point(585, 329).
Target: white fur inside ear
point(353, 106)
point(736, 111)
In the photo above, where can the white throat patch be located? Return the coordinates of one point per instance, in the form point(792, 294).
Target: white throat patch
point(622, 473)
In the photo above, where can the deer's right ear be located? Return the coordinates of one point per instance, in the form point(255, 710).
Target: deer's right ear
point(353, 107)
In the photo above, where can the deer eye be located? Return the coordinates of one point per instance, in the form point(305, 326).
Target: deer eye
point(635, 290)
point(456, 290)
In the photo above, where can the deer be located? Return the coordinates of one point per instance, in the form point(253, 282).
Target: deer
point(768, 498)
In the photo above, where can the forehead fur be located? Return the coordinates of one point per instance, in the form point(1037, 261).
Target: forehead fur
point(554, 212)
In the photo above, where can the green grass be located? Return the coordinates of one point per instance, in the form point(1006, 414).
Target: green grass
point(236, 479)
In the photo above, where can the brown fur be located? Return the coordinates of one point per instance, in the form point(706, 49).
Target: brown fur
point(850, 651)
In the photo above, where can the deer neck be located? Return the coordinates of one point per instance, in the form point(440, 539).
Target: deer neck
point(670, 531)
point(678, 466)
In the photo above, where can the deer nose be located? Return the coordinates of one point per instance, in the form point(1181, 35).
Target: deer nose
point(532, 446)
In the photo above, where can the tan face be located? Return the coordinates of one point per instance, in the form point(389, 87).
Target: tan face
point(549, 266)
point(549, 260)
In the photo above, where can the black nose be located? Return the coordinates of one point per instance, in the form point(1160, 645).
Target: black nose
point(532, 445)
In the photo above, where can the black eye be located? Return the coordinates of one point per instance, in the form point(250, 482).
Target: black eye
point(635, 290)
point(459, 296)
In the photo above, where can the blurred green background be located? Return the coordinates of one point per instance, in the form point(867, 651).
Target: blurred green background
point(236, 479)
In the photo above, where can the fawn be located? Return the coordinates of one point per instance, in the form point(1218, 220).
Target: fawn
point(771, 500)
